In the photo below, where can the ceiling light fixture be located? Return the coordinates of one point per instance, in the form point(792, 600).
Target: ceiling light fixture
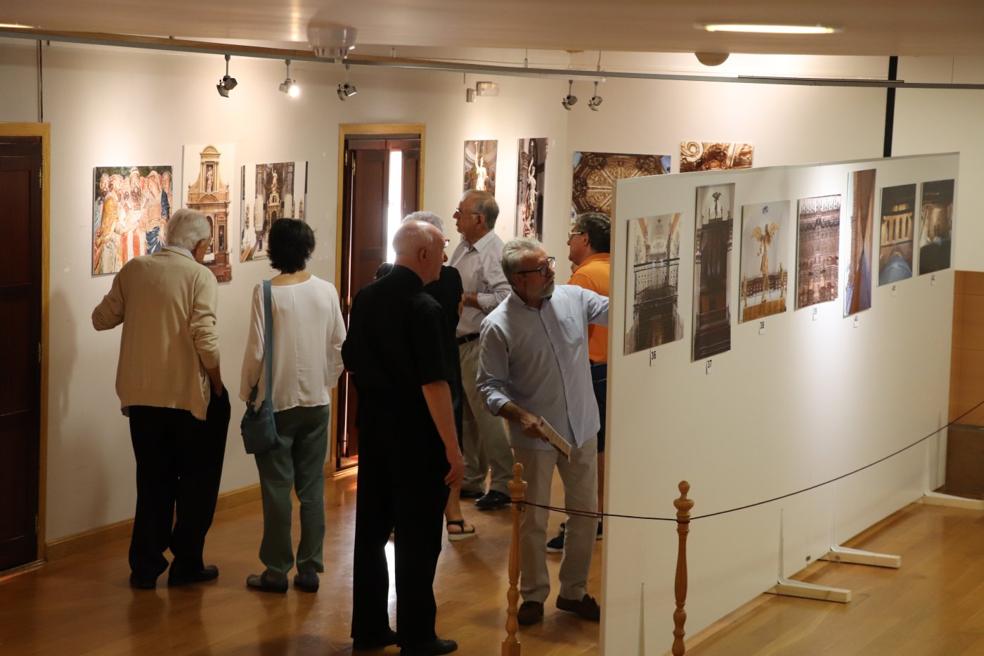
point(346, 89)
point(330, 39)
point(595, 101)
point(763, 28)
point(227, 83)
point(289, 85)
point(570, 99)
point(486, 88)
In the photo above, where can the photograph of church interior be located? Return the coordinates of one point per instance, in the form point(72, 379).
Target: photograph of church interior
point(781, 480)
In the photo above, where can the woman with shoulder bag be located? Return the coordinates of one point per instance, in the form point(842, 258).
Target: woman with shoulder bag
point(308, 332)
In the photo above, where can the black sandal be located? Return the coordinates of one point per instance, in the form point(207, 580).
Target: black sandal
point(462, 534)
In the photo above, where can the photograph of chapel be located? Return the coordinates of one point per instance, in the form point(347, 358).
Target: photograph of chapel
point(209, 170)
point(818, 250)
point(595, 175)
point(652, 279)
point(935, 226)
point(898, 222)
point(270, 192)
point(712, 270)
point(764, 252)
point(529, 187)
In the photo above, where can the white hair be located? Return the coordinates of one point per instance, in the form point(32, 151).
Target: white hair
point(513, 252)
point(426, 217)
point(186, 228)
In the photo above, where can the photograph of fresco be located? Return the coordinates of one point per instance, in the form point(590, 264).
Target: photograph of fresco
point(898, 222)
point(595, 175)
point(529, 187)
point(269, 192)
point(712, 156)
point(861, 203)
point(935, 226)
point(651, 316)
point(479, 170)
point(818, 244)
point(764, 254)
point(130, 209)
point(712, 270)
point(208, 173)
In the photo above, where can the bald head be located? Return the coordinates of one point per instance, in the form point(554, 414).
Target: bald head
point(419, 247)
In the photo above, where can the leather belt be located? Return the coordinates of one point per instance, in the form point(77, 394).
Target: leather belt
point(464, 339)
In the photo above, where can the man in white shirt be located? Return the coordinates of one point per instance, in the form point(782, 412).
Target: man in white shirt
point(478, 259)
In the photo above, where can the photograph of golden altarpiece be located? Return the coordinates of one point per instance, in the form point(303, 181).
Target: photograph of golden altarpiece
point(764, 268)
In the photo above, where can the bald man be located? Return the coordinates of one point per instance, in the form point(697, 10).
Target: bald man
point(408, 445)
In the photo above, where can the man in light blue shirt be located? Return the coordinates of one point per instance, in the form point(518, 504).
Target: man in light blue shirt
point(533, 368)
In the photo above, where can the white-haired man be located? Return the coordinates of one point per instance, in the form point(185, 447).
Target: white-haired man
point(533, 370)
point(477, 259)
point(170, 387)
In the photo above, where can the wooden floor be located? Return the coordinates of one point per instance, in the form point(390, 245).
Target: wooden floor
point(82, 605)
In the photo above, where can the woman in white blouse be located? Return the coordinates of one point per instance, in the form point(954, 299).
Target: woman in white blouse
point(308, 332)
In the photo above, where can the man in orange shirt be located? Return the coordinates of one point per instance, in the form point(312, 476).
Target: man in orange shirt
point(588, 246)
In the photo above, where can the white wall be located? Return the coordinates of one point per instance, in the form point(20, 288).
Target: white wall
point(121, 107)
point(804, 402)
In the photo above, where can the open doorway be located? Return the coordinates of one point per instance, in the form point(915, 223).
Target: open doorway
point(380, 183)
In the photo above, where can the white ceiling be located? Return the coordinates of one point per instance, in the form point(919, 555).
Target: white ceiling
point(878, 27)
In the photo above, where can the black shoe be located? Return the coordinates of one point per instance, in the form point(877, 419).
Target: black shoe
point(471, 494)
point(530, 612)
point(586, 608)
point(556, 545)
point(142, 582)
point(372, 643)
point(268, 582)
point(435, 647)
point(307, 581)
point(493, 500)
point(179, 577)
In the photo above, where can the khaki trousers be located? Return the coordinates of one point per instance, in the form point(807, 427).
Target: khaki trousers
point(485, 444)
point(580, 478)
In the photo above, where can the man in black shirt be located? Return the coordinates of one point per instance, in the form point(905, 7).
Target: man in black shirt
point(408, 447)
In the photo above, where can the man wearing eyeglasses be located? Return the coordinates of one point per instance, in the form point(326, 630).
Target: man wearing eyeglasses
point(588, 243)
point(477, 259)
point(534, 371)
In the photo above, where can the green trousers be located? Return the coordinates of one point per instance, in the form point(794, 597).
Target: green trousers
point(298, 463)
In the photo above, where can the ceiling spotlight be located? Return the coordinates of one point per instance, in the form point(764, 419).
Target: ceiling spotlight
point(484, 88)
point(570, 99)
point(595, 102)
point(289, 86)
point(227, 83)
point(346, 90)
point(469, 95)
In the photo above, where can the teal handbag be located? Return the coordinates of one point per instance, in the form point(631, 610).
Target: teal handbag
point(258, 427)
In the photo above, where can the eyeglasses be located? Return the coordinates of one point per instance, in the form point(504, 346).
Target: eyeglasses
point(447, 242)
point(549, 265)
point(573, 233)
point(459, 212)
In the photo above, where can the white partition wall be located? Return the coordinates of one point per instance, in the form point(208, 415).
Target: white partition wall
point(809, 397)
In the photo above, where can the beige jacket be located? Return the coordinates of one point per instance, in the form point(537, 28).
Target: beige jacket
point(166, 303)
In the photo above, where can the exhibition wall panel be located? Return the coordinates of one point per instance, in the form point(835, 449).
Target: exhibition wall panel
point(801, 397)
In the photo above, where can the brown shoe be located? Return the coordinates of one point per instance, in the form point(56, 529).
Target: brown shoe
point(587, 608)
point(530, 612)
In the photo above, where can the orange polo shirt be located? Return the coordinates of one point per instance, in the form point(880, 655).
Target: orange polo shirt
point(595, 273)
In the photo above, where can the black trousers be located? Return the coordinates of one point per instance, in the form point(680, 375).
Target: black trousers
point(179, 467)
point(407, 494)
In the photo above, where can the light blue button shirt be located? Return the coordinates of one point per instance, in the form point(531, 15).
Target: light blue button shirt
point(538, 359)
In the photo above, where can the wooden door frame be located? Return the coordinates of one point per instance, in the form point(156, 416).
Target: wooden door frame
point(346, 130)
point(42, 130)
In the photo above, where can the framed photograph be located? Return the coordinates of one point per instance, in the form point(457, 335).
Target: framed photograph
point(479, 169)
point(652, 278)
point(818, 250)
point(898, 225)
point(764, 268)
point(529, 187)
point(712, 270)
point(935, 226)
point(269, 192)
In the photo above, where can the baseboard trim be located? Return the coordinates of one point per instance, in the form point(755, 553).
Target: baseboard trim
point(72, 544)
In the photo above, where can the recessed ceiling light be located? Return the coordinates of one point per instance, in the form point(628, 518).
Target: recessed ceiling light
point(767, 29)
point(7, 26)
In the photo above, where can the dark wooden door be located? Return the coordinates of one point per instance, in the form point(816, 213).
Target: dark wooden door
point(364, 239)
point(20, 348)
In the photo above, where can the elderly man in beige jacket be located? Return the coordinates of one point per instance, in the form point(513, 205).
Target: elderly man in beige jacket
point(170, 387)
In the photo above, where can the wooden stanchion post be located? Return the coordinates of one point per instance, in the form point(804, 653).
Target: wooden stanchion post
point(683, 506)
point(517, 491)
